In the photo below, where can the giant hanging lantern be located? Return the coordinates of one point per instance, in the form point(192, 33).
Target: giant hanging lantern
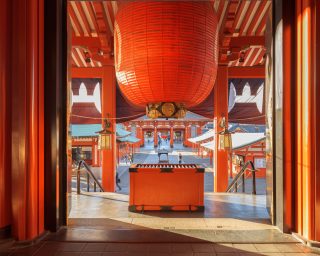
point(166, 54)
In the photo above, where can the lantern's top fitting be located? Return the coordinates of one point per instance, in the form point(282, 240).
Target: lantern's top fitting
point(223, 125)
point(222, 122)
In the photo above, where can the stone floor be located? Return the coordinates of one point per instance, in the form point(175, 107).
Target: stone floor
point(57, 248)
point(217, 205)
point(100, 224)
point(228, 218)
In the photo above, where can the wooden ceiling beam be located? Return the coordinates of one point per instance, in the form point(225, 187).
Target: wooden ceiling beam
point(248, 14)
point(238, 16)
point(104, 32)
point(92, 16)
point(226, 26)
point(74, 21)
point(256, 17)
point(82, 18)
point(262, 24)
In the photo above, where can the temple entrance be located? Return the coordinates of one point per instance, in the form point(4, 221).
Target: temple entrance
point(85, 85)
point(110, 137)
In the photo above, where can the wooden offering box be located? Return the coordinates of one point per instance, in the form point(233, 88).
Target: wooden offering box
point(166, 187)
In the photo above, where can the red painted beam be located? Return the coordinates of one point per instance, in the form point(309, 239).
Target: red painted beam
point(86, 41)
point(243, 41)
point(87, 72)
point(247, 72)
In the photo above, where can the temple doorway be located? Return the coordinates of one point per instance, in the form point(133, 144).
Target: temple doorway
point(99, 111)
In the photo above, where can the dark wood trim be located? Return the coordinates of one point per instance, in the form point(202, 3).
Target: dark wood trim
point(289, 106)
point(5, 232)
point(55, 77)
point(32, 242)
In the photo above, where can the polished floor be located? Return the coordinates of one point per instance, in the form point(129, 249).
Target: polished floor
point(100, 225)
point(53, 248)
point(228, 218)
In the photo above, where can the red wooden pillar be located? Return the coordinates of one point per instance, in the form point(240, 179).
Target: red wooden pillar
point(155, 136)
point(171, 136)
point(220, 110)
point(198, 130)
point(139, 134)
point(5, 120)
point(316, 33)
point(307, 119)
point(117, 153)
point(93, 153)
point(98, 158)
point(141, 137)
point(230, 166)
point(186, 135)
point(28, 120)
point(196, 146)
point(108, 107)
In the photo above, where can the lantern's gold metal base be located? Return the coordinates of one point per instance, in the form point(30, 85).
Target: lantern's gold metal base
point(166, 110)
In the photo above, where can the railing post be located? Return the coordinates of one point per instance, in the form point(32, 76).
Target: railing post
point(78, 181)
point(254, 191)
point(88, 184)
point(236, 186)
point(95, 187)
point(243, 183)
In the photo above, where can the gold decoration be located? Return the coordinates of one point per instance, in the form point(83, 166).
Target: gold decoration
point(165, 110)
point(181, 113)
point(152, 112)
point(168, 109)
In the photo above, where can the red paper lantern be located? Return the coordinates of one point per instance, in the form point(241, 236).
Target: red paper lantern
point(166, 51)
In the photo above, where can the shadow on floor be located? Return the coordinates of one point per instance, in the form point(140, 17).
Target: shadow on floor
point(94, 241)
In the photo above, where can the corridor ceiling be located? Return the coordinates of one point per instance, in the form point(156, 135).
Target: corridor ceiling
point(242, 25)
